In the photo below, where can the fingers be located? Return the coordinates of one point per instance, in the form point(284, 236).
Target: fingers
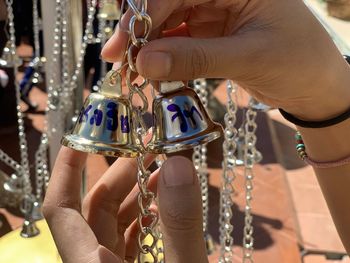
point(73, 237)
point(180, 209)
point(129, 210)
point(189, 58)
point(116, 46)
point(103, 201)
point(131, 238)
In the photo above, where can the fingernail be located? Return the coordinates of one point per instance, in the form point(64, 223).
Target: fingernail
point(177, 171)
point(157, 65)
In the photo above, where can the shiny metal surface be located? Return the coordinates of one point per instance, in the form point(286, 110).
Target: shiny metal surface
point(181, 122)
point(9, 60)
point(29, 229)
point(110, 10)
point(10, 194)
point(104, 124)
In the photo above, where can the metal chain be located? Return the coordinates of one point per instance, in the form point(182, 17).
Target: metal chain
point(146, 197)
point(10, 162)
point(42, 173)
point(249, 161)
point(65, 103)
point(57, 91)
point(199, 156)
point(25, 175)
point(228, 177)
point(36, 29)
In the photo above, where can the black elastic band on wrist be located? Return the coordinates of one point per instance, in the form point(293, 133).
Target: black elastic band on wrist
point(317, 124)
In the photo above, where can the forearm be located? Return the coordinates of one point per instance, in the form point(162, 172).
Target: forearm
point(329, 144)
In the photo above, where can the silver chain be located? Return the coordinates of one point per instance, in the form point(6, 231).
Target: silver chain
point(228, 177)
point(36, 29)
point(25, 175)
point(249, 161)
point(199, 157)
point(59, 92)
point(10, 162)
point(145, 197)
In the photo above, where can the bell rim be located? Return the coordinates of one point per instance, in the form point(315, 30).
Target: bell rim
point(208, 135)
point(88, 146)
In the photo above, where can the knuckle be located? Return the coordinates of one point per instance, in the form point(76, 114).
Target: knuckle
point(199, 62)
point(177, 219)
point(48, 210)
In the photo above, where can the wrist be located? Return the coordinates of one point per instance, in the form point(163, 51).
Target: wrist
point(331, 96)
point(327, 144)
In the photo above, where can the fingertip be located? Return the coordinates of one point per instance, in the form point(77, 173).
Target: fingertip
point(115, 47)
point(71, 157)
point(177, 171)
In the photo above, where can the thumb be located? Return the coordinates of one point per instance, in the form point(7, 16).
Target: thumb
point(180, 209)
point(184, 58)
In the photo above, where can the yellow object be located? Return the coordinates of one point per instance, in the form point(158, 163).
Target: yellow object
point(39, 249)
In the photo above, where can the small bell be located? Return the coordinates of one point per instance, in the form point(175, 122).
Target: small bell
point(209, 243)
point(110, 10)
point(104, 124)
point(180, 120)
point(29, 229)
point(11, 195)
point(36, 211)
point(8, 60)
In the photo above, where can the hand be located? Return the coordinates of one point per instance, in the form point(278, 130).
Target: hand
point(274, 49)
point(105, 229)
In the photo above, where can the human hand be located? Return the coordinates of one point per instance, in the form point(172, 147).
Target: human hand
point(105, 229)
point(274, 49)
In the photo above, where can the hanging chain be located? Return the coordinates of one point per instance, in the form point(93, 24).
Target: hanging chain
point(249, 161)
point(199, 156)
point(25, 175)
point(101, 29)
point(36, 29)
point(146, 197)
point(59, 93)
point(10, 162)
point(228, 177)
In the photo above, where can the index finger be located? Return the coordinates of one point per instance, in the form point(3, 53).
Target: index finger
point(159, 11)
point(73, 237)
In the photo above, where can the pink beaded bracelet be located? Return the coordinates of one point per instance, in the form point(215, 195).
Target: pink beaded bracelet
point(321, 165)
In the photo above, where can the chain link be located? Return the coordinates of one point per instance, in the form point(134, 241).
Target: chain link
point(25, 175)
point(59, 92)
point(249, 161)
point(228, 177)
point(146, 197)
point(10, 162)
point(36, 29)
point(199, 156)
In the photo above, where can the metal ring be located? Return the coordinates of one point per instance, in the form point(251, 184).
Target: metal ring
point(135, 10)
point(147, 30)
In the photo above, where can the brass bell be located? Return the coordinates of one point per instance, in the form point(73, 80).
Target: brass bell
point(180, 120)
point(110, 10)
point(104, 124)
point(9, 60)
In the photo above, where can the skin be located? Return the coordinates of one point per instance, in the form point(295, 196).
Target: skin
point(277, 51)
